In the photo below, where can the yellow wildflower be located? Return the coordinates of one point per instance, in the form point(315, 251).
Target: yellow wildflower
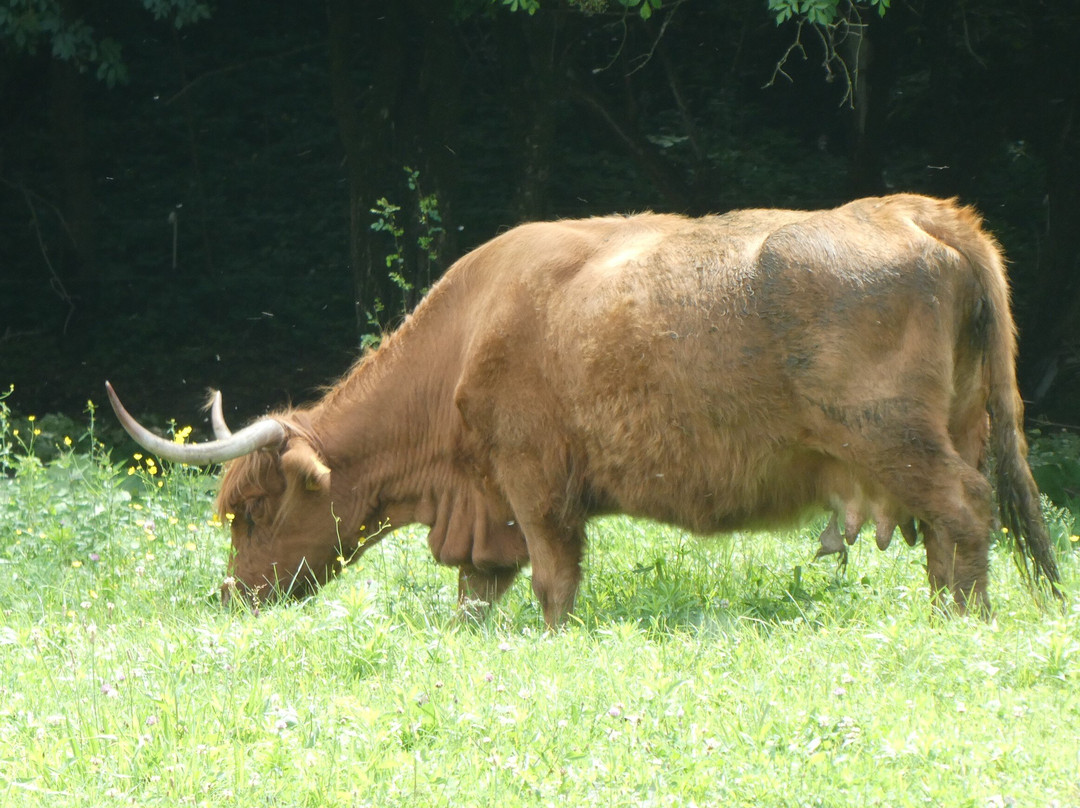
point(31, 418)
point(67, 440)
point(76, 563)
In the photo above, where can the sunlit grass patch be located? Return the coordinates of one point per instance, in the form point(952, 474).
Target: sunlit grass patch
point(731, 671)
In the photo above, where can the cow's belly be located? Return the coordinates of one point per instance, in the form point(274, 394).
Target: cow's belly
point(719, 487)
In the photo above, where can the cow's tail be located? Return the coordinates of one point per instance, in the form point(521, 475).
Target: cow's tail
point(1017, 494)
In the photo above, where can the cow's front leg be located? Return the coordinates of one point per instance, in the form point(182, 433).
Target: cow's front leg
point(479, 590)
point(555, 555)
point(537, 485)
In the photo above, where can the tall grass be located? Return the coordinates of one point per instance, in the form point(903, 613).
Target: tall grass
point(721, 672)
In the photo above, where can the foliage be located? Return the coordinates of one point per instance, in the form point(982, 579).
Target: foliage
point(428, 241)
point(5, 444)
point(31, 25)
point(695, 673)
point(645, 8)
point(429, 227)
point(1055, 463)
point(428, 218)
point(237, 137)
point(821, 12)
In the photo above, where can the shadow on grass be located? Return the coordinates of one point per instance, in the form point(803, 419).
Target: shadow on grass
point(761, 596)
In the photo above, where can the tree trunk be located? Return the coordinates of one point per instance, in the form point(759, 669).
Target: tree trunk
point(530, 53)
point(1053, 122)
point(72, 264)
point(404, 115)
point(873, 54)
point(431, 145)
point(343, 91)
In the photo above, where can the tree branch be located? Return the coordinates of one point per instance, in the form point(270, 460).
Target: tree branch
point(778, 68)
point(832, 62)
point(55, 283)
point(638, 148)
point(646, 58)
point(221, 71)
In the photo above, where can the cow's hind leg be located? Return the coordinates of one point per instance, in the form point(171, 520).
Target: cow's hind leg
point(939, 552)
point(952, 501)
point(957, 540)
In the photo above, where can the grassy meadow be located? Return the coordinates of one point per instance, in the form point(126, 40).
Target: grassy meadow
point(732, 671)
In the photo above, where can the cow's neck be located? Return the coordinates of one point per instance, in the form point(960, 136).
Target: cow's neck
point(391, 429)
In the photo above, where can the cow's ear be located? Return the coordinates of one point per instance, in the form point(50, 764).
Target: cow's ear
point(302, 461)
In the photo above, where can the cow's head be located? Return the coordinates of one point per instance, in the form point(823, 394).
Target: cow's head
point(275, 496)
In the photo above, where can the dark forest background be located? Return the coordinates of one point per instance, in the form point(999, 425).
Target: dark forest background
point(186, 188)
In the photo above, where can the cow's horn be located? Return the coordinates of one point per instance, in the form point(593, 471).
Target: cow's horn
point(217, 417)
point(266, 432)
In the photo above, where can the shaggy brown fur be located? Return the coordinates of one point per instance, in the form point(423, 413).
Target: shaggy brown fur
point(718, 373)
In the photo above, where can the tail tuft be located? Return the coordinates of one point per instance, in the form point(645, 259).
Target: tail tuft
point(1021, 512)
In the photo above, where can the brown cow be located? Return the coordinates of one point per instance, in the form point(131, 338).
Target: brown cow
point(719, 373)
